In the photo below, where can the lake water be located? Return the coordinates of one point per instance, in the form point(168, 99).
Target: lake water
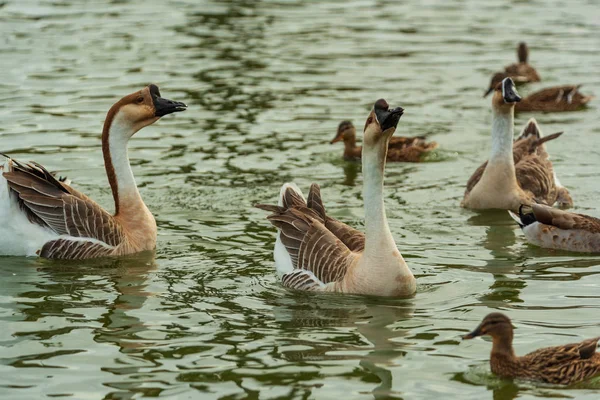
point(267, 83)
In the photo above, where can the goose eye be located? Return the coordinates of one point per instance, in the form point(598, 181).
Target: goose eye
point(140, 100)
point(369, 121)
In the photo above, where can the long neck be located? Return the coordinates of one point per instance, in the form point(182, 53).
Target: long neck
point(115, 136)
point(377, 231)
point(502, 138)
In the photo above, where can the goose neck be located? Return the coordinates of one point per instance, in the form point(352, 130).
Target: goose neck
point(502, 138)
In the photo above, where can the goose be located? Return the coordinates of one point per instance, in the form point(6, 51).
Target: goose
point(314, 252)
point(516, 173)
point(560, 365)
point(557, 229)
point(400, 149)
point(44, 216)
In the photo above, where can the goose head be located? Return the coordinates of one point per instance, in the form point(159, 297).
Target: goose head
point(346, 132)
point(381, 124)
point(505, 96)
point(496, 325)
point(140, 109)
point(496, 79)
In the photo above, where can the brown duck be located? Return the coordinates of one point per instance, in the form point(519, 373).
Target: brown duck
point(519, 72)
point(553, 99)
point(562, 365)
point(400, 149)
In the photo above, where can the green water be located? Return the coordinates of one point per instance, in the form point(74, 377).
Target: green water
point(266, 84)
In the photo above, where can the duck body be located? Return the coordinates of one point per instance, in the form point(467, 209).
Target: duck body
point(522, 71)
point(518, 172)
point(561, 365)
point(557, 229)
point(554, 99)
point(314, 252)
point(44, 216)
point(400, 149)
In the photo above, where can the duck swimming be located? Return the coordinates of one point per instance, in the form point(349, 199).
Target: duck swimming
point(554, 99)
point(400, 149)
point(556, 229)
point(315, 252)
point(518, 172)
point(561, 365)
point(519, 72)
point(42, 215)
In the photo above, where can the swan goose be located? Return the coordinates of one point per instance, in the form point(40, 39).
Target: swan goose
point(516, 173)
point(315, 252)
point(45, 216)
point(557, 229)
point(562, 365)
point(400, 148)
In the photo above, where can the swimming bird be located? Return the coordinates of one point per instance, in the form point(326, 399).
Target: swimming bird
point(400, 149)
point(42, 215)
point(557, 229)
point(315, 252)
point(516, 173)
point(554, 99)
point(561, 365)
point(519, 72)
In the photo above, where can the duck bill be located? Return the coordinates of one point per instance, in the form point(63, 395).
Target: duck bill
point(474, 334)
point(337, 138)
point(509, 91)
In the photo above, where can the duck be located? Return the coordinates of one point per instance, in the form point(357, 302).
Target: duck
point(519, 72)
point(558, 229)
point(400, 149)
point(317, 253)
point(522, 68)
point(518, 172)
point(42, 215)
point(554, 99)
point(559, 365)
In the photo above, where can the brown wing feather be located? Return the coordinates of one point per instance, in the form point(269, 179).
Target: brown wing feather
point(54, 205)
point(564, 219)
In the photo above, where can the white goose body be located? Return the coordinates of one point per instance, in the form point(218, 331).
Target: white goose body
point(315, 252)
point(43, 216)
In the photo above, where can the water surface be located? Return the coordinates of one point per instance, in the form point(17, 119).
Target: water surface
point(267, 83)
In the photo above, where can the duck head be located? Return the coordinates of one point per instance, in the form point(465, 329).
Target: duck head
point(522, 52)
point(505, 96)
point(496, 79)
point(142, 108)
point(496, 325)
point(346, 132)
point(381, 123)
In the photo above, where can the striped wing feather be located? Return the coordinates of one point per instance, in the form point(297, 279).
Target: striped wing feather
point(60, 208)
point(320, 247)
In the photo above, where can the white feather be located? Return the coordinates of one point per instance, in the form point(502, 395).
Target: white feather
point(283, 261)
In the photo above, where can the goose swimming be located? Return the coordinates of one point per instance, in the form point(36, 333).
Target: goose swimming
point(518, 172)
point(315, 252)
point(42, 215)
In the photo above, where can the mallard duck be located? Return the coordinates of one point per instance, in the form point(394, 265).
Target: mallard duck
point(554, 99)
point(42, 215)
point(517, 172)
point(562, 365)
point(400, 149)
point(519, 72)
point(556, 229)
point(315, 252)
